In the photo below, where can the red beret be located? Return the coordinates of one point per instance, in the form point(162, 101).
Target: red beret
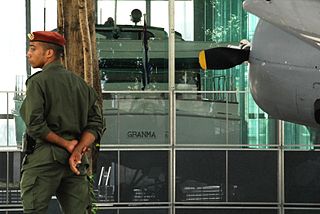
point(47, 36)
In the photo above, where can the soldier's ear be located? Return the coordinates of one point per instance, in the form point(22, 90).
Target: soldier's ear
point(50, 53)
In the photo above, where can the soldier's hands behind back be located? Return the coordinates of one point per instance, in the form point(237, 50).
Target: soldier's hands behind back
point(74, 160)
point(71, 145)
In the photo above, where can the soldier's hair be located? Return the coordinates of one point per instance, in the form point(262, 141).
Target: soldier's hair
point(58, 50)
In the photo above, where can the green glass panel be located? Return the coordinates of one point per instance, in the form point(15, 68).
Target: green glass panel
point(299, 136)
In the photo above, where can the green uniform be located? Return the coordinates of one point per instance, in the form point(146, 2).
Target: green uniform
point(56, 100)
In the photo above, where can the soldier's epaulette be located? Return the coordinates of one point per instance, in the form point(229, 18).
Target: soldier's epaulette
point(30, 77)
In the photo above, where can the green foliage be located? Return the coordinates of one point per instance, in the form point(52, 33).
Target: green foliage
point(93, 207)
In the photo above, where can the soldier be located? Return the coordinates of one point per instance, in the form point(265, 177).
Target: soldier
point(62, 120)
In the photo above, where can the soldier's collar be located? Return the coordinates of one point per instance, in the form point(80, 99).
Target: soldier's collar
point(51, 65)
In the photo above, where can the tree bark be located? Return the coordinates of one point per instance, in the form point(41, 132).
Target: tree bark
point(86, 41)
point(76, 21)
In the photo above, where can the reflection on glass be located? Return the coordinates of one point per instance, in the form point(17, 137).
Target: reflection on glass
point(12, 196)
point(144, 211)
point(299, 136)
point(261, 128)
point(302, 175)
point(107, 211)
point(132, 56)
point(227, 211)
point(118, 10)
point(206, 119)
point(3, 178)
point(41, 22)
point(18, 99)
point(301, 211)
point(252, 176)
point(144, 176)
point(11, 212)
point(7, 132)
point(7, 122)
point(133, 211)
point(200, 176)
point(106, 185)
point(136, 119)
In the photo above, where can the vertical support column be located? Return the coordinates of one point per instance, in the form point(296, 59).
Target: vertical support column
point(172, 110)
point(28, 30)
point(280, 135)
point(115, 11)
point(7, 182)
point(148, 11)
point(7, 119)
point(8, 170)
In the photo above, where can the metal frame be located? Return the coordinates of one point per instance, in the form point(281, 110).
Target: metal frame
point(172, 148)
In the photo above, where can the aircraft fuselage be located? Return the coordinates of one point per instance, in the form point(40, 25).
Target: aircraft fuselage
point(285, 75)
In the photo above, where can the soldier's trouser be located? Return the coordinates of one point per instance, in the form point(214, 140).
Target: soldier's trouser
point(38, 184)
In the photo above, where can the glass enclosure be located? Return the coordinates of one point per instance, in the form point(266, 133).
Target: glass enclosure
point(179, 140)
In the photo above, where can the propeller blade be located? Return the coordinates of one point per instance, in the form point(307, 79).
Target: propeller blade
point(222, 57)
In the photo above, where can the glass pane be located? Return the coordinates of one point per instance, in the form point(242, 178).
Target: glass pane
point(210, 109)
point(300, 137)
point(227, 211)
point(106, 179)
point(11, 212)
point(184, 19)
point(12, 14)
point(302, 173)
point(133, 52)
point(7, 122)
point(261, 128)
point(122, 9)
point(220, 21)
point(302, 211)
point(18, 99)
point(200, 176)
point(106, 211)
point(12, 196)
point(105, 9)
point(3, 178)
point(203, 120)
point(144, 176)
point(132, 211)
point(144, 211)
point(136, 118)
point(43, 15)
point(253, 176)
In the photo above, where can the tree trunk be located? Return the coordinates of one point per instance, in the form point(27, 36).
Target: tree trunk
point(76, 21)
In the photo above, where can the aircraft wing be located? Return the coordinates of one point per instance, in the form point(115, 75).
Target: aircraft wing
point(300, 17)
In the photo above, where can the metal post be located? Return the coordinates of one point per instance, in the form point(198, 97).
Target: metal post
point(28, 30)
point(7, 119)
point(44, 15)
point(115, 11)
point(7, 183)
point(148, 11)
point(280, 135)
point(171, 69)
point(172, 110)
